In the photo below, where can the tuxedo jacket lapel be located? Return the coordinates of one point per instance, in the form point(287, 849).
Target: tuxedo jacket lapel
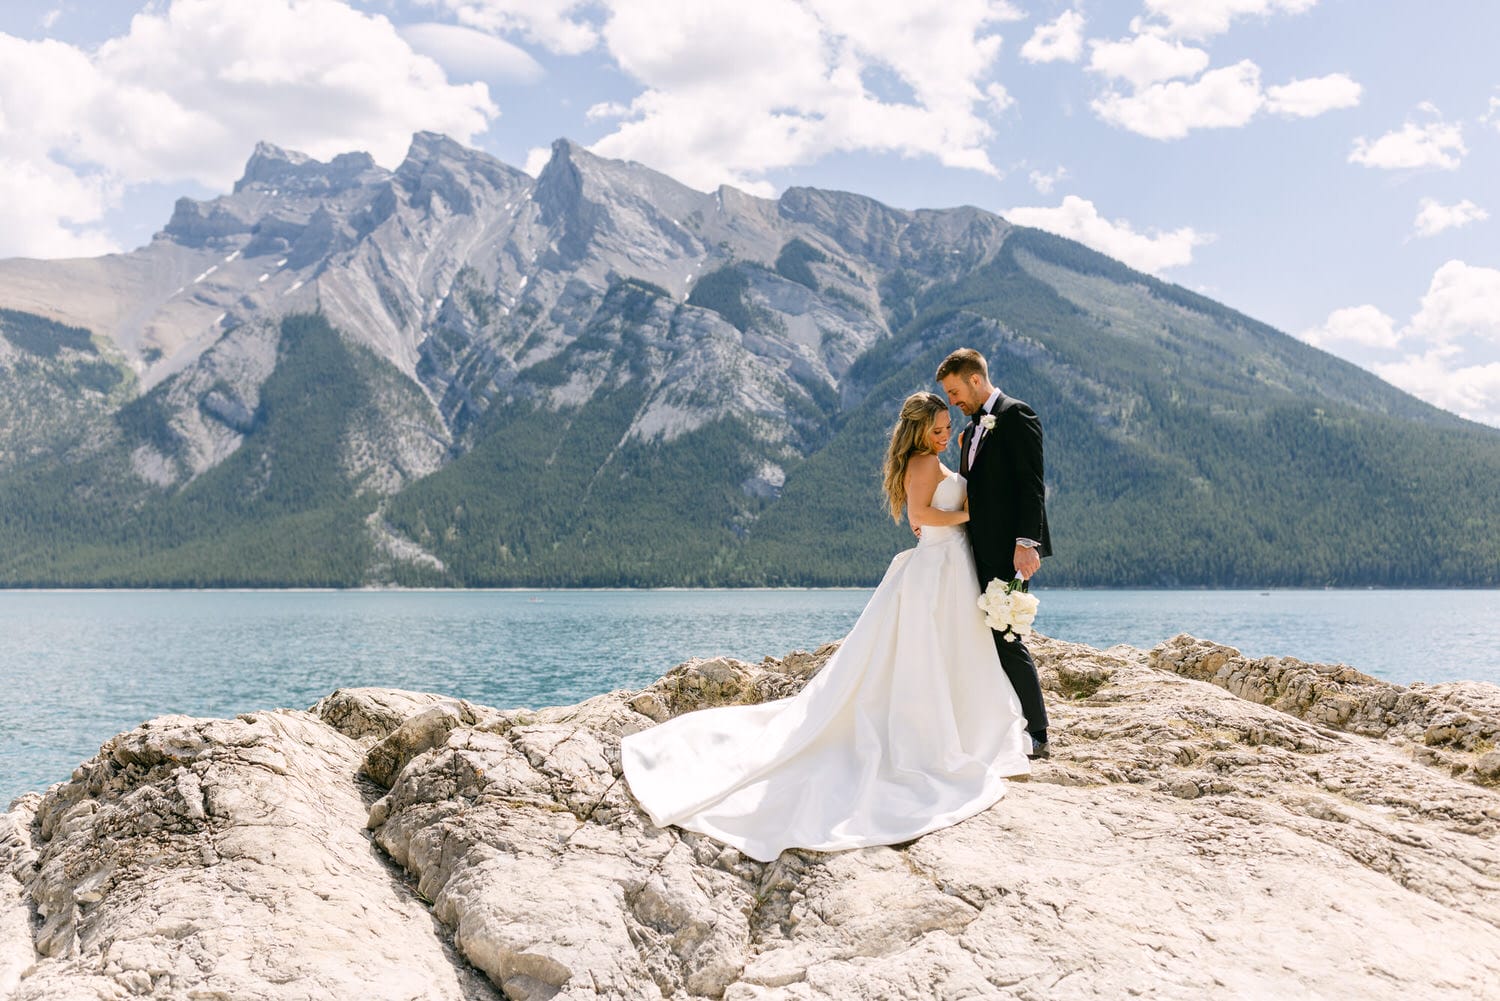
point(985, 438)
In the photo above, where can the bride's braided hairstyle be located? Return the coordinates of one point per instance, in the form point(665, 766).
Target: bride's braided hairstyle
point(908, 438)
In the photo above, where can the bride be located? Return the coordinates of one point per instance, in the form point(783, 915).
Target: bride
point(911, 725)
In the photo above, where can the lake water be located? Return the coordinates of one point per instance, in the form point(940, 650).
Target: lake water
point(76, 667)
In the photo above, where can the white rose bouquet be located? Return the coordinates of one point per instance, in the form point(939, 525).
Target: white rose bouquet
point(1009, 608)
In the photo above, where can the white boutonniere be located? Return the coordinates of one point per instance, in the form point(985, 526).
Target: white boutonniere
point(987, 422)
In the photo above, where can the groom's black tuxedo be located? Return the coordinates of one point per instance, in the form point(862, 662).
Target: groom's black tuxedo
point(1007, 501)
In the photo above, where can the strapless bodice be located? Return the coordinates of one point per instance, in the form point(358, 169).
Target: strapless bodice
point(950, 493)
point(949, 496)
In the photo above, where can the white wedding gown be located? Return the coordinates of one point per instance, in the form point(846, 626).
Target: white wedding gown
point(911, 726)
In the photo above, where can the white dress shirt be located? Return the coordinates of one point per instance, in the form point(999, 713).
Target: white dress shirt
point(979, 430)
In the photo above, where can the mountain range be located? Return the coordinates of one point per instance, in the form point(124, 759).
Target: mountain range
point(454, 373)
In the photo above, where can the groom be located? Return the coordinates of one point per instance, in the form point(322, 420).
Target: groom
point(1001, 458)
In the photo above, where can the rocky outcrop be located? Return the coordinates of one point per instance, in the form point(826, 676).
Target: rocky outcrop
point(1455, 725)
point(1208, 827)
point(218, 858)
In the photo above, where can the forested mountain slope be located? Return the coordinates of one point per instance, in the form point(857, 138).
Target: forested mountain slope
point(455, 374)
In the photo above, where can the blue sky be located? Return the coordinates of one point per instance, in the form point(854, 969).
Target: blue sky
point(1329, 166)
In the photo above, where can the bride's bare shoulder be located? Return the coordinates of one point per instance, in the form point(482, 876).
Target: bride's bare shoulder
point(929, 465)
point(924, 464)
point(923, 473)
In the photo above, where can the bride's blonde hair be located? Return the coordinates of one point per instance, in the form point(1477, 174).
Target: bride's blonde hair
point(909, 437)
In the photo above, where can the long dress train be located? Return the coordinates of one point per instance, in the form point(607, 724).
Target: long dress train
point(911, 726)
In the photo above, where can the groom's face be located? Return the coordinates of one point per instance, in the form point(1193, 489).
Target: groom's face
point(965, 394)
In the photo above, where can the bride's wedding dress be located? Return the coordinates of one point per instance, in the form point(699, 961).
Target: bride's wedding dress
point(911, 726)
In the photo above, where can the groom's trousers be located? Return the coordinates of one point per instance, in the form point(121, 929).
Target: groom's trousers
point(1021, 670)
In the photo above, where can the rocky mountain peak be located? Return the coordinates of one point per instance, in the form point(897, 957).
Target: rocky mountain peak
point(564, 150)
point(893, 237)
point(436, 164)
point(429, 146)
point(840, 210)
point(275, 168)
point(268, 156)
point(560, 184)
point(603, 179)
point(621, 202)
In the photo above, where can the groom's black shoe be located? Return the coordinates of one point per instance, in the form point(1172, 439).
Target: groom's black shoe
point(1039, 749)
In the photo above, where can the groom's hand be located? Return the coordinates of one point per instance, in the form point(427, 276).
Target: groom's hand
point(1026, 561)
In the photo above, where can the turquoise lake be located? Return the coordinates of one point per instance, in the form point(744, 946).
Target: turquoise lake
point(79, 666)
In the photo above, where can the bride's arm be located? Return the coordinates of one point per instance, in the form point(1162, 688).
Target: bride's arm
point(922, 479)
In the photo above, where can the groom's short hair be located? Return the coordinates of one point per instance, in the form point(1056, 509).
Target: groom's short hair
point(963, 363)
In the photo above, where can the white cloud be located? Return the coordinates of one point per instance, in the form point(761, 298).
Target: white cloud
point(557, 25)
point(1463, 301)
point(1433, 217)
point(1364, 326)
point(1459, 320)
point(1146, 59)
point(1492, 116)
point(1000, 99)
point(313, 75)
point(1461, 307)
point(1058, 41)
point(1310, 98)
point(1471, 391)
point(1205, 18)
point(536, 159)
point(606, 109)
point(469, 54)
point(1229, 97)
point(1044, 181)
point(189, 89)
point(734, 90)
point(1222, 98)
point(1448, 347)
point(1078, 219)
point(47, 210)
point(1436, 144)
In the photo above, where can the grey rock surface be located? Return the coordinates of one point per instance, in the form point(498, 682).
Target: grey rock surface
point(216, 858)
point(1209, 826)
